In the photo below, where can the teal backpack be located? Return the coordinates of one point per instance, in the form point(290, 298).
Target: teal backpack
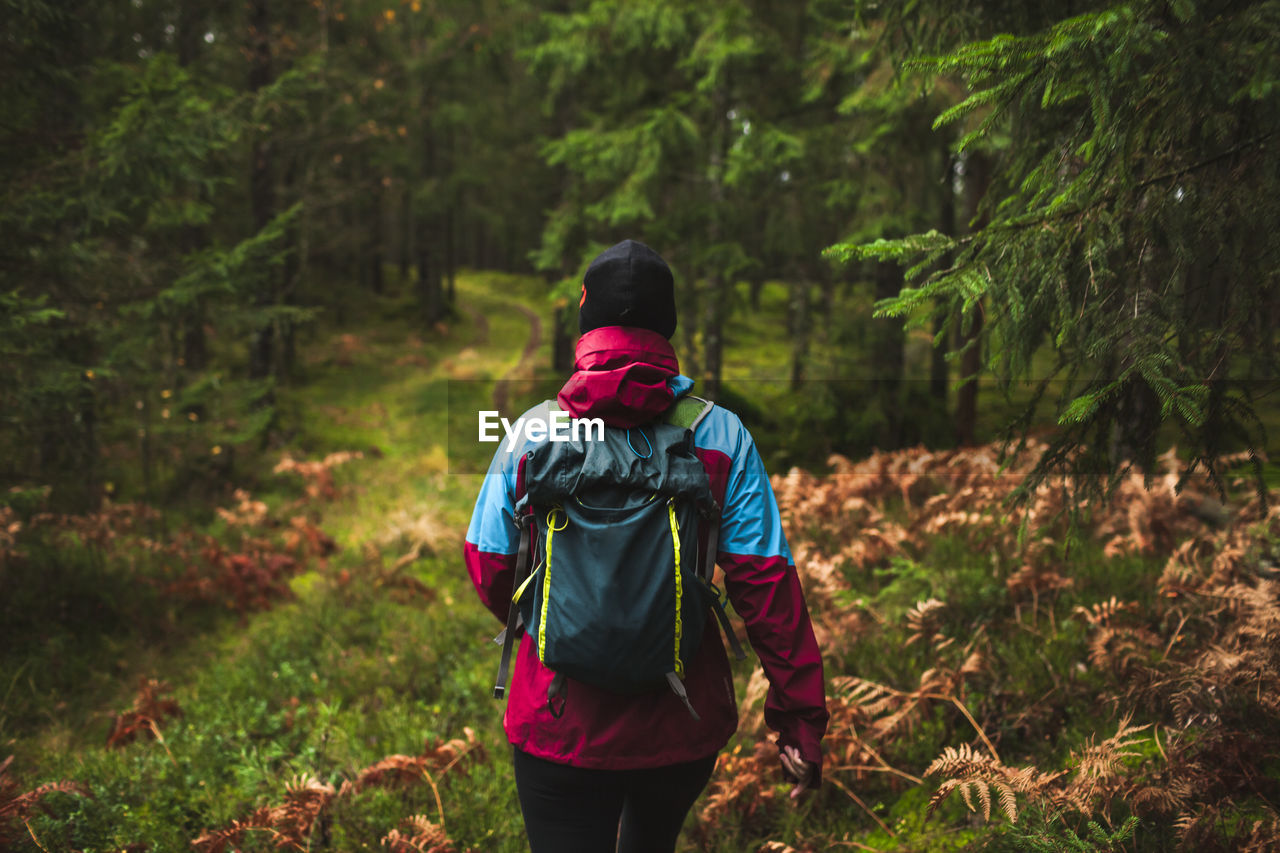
point(609, 580)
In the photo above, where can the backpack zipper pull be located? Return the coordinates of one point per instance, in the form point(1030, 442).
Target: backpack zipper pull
point(677, 687)
point(558, 689)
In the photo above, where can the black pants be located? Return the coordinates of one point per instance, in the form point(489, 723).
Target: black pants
point(579, 810)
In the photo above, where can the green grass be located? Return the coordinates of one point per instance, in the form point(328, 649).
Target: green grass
point(356, 668)
point(324, 685)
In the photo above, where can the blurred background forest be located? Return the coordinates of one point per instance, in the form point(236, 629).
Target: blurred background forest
point(1076, 203)
point(238, 234)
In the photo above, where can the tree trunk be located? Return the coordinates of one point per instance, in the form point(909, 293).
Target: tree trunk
point(713, 333)
point(430, 295)
point(562, 338)
point(977, 178)
point(757, 285)
point(374, 258)
point(967, 397)
point(687, 311)
point(887, 361)
point(406, 235)
point(1137, 419)
point(450, 253)
point(261, 185)
point(828, 303)
point(450, 258)
point(1138, 413)
point(291, 278)
point(195, 351)
point(798, 328)
point(938, 373)
point(718, 285)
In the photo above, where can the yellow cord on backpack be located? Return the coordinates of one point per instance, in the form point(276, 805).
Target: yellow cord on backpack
point(546, 580)
point(675, 543)
point(515, 599)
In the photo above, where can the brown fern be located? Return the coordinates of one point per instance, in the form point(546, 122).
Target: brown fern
point(150, 707)
point(1205, 655)
point(400, 770)
point(1036, 581)
point(289, 824)
point(16, 806)
point(741, 785)
point(305, 799)
point(292, 824)
point(318, 475)
point(422, 836)
point(975, 774)
point(923, 621)
point(1098, 774)
point(231, 836)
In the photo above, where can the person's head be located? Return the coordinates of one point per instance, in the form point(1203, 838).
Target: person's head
point(628, 285)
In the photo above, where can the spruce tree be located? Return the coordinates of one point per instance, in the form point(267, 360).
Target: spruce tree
point(1124, 255)
point(681, 124)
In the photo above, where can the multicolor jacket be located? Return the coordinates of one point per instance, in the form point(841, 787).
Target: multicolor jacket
point(627, 377)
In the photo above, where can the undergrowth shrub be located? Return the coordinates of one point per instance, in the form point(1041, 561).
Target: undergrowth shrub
point(305, 809)
point(85, 598)
point(1025, 680)
point(1097, 677)
point(17, 806)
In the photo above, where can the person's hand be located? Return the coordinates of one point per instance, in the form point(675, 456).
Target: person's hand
point(800, 771)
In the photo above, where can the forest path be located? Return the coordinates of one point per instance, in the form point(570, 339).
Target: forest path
point(376, 648)
point(524, 367)
point(480, 322)
point(481, 360)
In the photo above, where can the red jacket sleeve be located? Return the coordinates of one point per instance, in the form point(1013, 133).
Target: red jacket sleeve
point(764, 588)
point(492, 537)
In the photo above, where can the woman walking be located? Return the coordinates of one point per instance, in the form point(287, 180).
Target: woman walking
point(603, 770)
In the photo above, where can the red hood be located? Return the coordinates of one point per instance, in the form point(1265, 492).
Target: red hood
point(621, 376)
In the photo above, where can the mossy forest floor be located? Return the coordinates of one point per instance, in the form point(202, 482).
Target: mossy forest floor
point(309, 668)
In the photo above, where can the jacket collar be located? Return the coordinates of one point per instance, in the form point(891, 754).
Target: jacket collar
point(626, 376)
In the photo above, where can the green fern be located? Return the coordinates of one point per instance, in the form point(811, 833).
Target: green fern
point(1056, 837)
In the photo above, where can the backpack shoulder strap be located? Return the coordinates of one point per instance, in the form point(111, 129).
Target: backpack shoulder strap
point(688, 412)
point(507, 638)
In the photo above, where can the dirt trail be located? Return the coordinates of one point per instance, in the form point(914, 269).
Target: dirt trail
point(524, 368)
point(481, 323)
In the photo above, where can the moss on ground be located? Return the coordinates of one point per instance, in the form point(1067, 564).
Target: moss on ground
point(383, 645)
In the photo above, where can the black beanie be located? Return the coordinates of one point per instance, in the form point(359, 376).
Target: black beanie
point(628, 285)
